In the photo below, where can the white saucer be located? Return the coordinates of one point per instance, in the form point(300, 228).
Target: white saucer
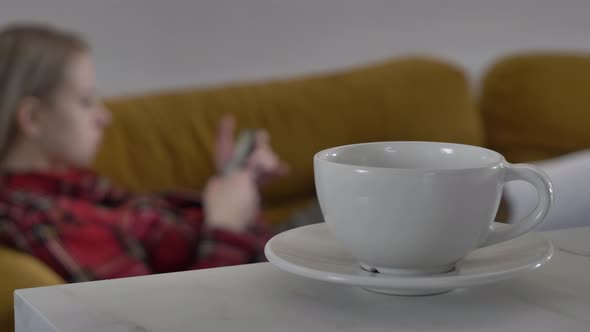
point(311, 251)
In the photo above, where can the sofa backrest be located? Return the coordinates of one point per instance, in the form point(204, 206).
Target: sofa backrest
point(537, 105)
point(165, 140)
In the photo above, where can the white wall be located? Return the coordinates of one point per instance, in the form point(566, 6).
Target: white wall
point(149, 44)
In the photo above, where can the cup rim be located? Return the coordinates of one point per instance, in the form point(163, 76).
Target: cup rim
point(498, 161)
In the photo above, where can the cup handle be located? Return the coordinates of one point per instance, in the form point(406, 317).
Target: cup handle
point(544, 188)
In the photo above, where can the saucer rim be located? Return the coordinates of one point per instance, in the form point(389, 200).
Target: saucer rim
point(442, 281)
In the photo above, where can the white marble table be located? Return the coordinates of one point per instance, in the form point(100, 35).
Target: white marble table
point(261, 297)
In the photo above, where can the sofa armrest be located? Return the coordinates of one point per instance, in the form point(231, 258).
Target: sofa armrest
point(19, 270)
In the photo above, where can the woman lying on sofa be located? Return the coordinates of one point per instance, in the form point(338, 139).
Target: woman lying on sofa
point(54, 208)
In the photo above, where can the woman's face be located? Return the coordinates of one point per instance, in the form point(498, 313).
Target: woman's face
point(71, 126)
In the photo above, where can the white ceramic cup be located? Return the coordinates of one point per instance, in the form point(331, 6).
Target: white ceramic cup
point(417, 208)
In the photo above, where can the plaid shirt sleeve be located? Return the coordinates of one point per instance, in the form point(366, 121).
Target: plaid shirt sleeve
point(172, 230)
point(85, 230)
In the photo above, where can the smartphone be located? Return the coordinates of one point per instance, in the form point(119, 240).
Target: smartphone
point(243, 149)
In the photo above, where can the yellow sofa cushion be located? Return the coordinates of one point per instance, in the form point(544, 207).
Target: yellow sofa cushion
point(18, 270)
point(165, 140)
point(537, 105)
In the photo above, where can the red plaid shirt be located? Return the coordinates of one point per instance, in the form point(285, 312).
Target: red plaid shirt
point(85, 229)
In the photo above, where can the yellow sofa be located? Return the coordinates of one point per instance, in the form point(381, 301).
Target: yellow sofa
point(164, 140)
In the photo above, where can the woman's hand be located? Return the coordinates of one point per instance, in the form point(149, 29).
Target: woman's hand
point(263, 162)
point(231, 202)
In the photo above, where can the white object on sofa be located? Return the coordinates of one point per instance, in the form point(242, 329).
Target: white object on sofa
point(570, 175)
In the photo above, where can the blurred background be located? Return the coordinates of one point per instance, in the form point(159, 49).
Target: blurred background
point(511, 75)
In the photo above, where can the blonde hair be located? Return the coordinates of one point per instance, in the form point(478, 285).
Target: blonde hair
point(33, 60)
